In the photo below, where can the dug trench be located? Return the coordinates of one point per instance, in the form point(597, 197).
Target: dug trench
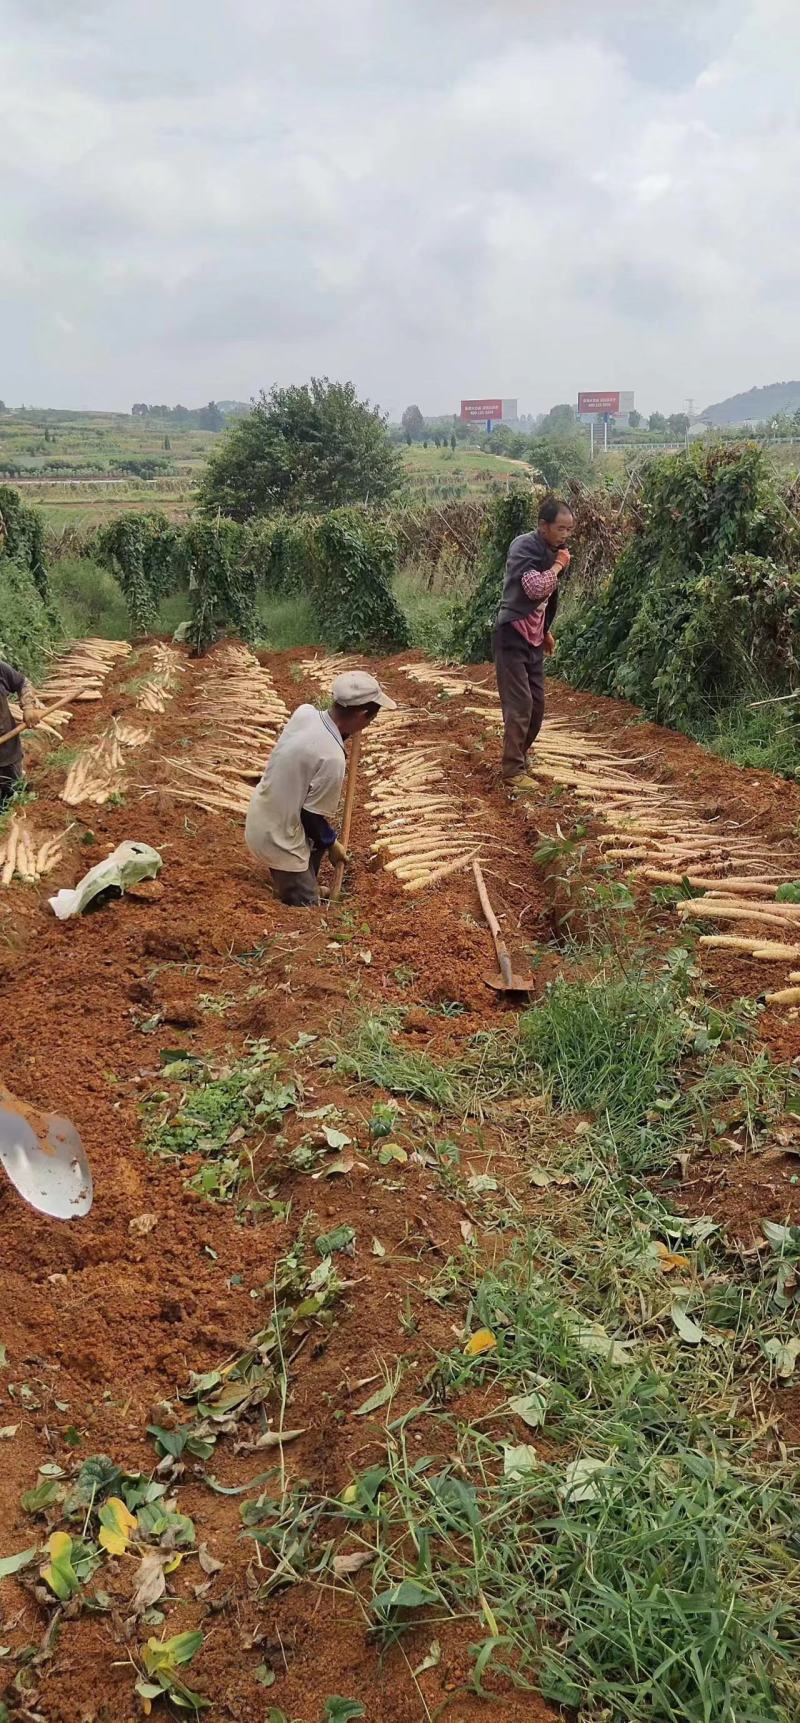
point(106, 1321)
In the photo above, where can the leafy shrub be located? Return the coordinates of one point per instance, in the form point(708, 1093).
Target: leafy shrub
point(28, 627)
point(701, 604)
point(222, 580)
point(352, 583)
point(140, 549)
point(22, 537)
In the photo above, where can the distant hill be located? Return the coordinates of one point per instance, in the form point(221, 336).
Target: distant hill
point(753, 405)
point(235, 409)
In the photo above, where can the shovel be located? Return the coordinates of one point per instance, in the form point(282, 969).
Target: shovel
point(44, 1159)
point(506, 981)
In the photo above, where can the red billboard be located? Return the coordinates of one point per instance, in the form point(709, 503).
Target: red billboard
point(598, 401)
point(482, 410)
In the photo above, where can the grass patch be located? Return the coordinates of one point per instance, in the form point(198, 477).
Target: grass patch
point(767, 740)
point(429, 614)
point(375, 1055)
point(286, 622)
point(88, 599)
point(610, 1518)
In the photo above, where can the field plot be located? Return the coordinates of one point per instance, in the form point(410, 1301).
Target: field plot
point(418, 1350)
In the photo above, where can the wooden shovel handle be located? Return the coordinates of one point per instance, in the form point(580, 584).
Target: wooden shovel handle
point(499, 943)
point(485, 904)
point(18, 728)
point(349, 799)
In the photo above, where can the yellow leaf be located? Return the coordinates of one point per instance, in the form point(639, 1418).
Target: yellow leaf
point(482, 1341)
point(668, 1261)
point(350, 1494)
point(170, 1566)
point(116, 1525)
point(59, 1544)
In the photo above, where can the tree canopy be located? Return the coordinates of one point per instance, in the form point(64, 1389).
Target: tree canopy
point(413, 424)
point(312, 446)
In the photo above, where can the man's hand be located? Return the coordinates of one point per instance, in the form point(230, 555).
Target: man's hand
point(549, 643)
point(338, 854)
point(563, 558)
point(31, 711)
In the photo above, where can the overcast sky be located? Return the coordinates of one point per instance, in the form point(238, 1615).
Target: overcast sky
point(436, 198)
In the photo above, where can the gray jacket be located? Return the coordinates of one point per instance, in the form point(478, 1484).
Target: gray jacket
point(530, 550)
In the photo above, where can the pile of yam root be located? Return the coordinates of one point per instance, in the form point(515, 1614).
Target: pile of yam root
point(162, 683)
point(25, 854)
point(80, 672)
point(99, 771)
point(236, 717)
point(421, 821)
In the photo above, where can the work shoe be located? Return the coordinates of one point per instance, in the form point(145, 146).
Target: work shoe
point(522, 783)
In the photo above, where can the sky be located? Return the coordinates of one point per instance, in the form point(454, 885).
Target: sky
point(435, 198)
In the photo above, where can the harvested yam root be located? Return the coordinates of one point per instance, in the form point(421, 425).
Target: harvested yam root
point(325, 667)
point(25, 854)
point(79, 673)
point(162, 684)
point(236, 718)
point(784, 996)
point(422, 823)
point(440, 676)
point(99, 771)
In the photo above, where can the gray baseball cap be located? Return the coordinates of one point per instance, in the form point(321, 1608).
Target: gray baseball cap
point(358, 688)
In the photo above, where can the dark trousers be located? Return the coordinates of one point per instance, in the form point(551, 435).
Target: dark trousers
point(520, 683)
point(300, 890)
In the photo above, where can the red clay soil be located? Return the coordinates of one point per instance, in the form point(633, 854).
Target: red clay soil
point(104, 1323)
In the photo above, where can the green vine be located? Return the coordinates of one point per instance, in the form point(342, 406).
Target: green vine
point(140, 550)
point(22, 537)
point(703, 604)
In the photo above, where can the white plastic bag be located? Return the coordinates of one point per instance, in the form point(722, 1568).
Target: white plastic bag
point(126, 865)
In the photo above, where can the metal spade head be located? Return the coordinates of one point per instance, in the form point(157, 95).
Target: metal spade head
point(511, 984)
point(44, 1159)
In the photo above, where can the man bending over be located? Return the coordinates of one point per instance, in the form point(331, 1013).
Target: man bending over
point(289, 818)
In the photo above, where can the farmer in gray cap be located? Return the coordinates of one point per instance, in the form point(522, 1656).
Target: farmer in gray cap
point(289, 820)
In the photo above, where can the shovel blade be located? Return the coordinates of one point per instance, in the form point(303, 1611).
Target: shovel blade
point(48, 1167)
point(517, 984)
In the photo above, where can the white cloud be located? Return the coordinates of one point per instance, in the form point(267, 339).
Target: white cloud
point(502, 196)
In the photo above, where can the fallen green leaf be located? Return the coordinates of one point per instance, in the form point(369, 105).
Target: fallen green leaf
point(379, 1398)
point(531, 1408)
point(519, 1459)
point(687, 1329)
point(13, 1563)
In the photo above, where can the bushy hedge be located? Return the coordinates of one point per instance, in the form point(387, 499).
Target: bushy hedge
point(140, 549)
point(703, 604)
point(29, 627)
point(343, 561)
point(22, 537)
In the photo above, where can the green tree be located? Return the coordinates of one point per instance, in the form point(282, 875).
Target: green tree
point(559, 421)
point(634, 420)
point(453, 440)
point(413, 424)
point(678, 424)
point(311, 446)
point(657, 422)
